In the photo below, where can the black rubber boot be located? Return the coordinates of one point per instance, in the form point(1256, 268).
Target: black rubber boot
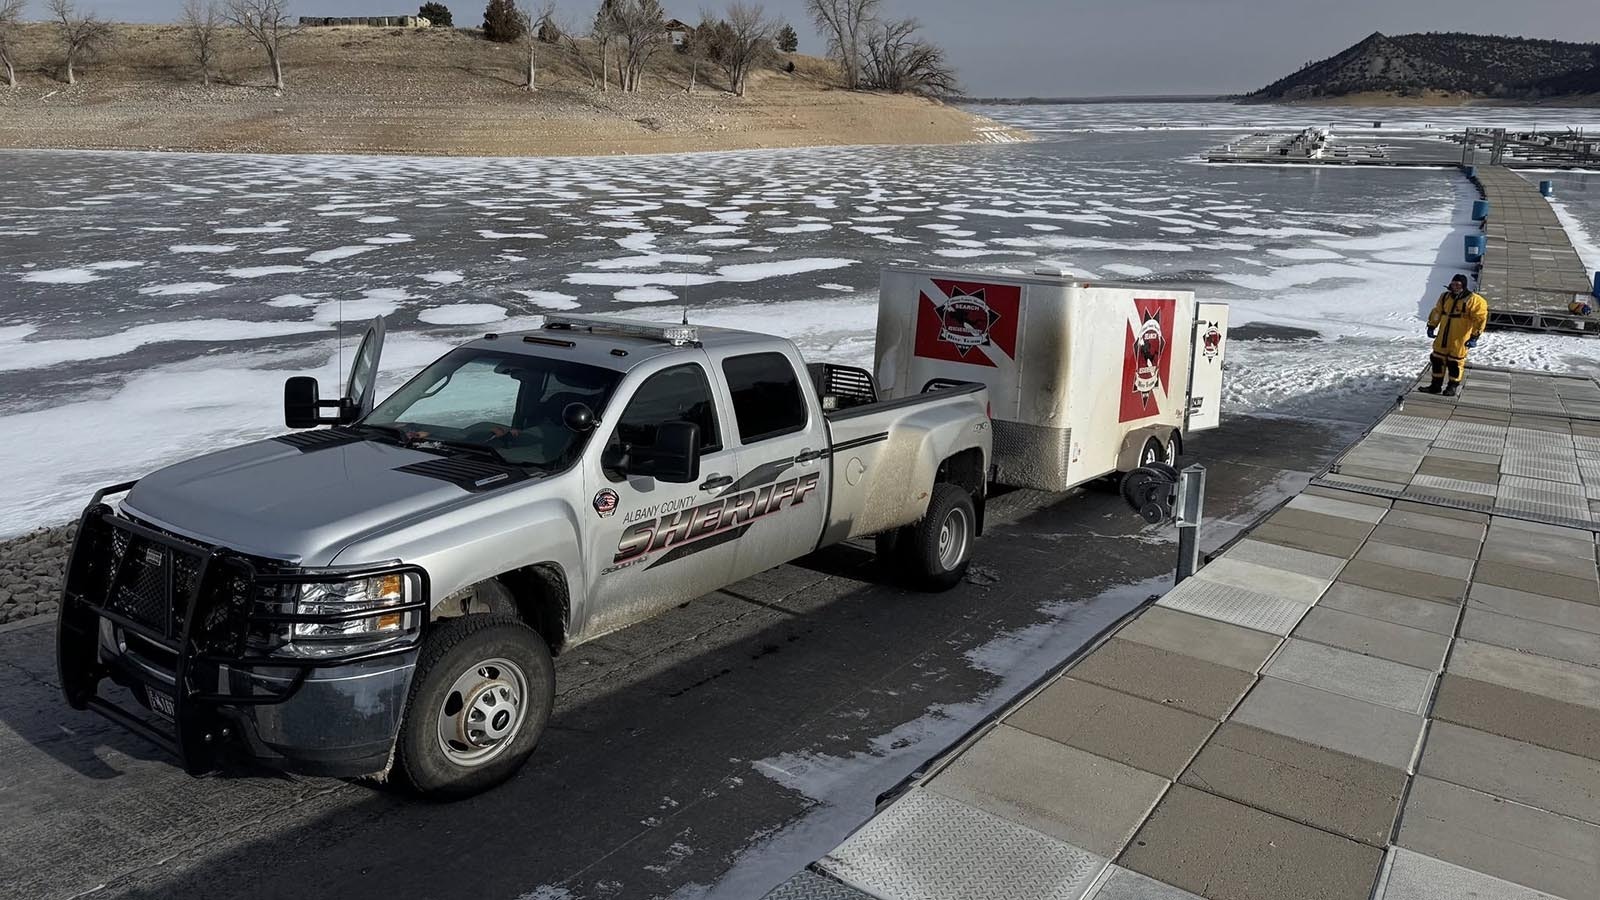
point(1451, 389)
point(1434, 386)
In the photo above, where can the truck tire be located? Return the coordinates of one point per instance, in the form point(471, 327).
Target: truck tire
point(939, 548)
point(480, 697)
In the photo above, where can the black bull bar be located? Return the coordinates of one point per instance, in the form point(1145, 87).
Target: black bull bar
point(196, 608)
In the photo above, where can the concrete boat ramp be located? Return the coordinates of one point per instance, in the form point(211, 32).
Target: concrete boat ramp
point(1389, 688)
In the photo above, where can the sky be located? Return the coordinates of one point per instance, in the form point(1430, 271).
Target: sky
point(1085, 48)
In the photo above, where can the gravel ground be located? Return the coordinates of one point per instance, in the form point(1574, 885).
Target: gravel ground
point(30, 572)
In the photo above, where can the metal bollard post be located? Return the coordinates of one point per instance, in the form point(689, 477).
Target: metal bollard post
point(1190, 508)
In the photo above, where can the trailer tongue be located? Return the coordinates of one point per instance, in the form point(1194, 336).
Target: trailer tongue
point(1085, 380)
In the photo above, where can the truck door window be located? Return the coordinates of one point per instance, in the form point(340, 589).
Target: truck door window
point(766, 396)
point(678, 394)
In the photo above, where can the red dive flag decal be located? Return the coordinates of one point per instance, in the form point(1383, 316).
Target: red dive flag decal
point(969, 322)
point(1147, 359)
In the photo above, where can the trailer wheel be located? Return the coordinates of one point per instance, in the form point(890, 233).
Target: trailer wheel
point(939, 547)
point(1156, 452)
point(480, 697)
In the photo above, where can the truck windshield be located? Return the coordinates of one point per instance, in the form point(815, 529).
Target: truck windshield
point(505, 402)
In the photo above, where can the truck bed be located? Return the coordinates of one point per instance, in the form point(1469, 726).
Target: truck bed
point(887, 454)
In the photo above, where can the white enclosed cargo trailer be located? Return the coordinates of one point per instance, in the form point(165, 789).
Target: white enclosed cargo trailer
point(1085, 380)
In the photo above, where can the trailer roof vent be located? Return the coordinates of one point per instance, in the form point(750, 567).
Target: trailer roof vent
point(1053, 272)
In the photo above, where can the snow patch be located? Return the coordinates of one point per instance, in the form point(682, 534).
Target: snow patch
point(645, 295)
point(551, 299)
point(325, 256)
point(263, 271)
point(463, 314)
point(202, 248)
point(182, 289)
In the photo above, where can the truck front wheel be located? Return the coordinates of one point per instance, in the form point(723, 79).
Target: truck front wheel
point(939, 548)
point(480, 698)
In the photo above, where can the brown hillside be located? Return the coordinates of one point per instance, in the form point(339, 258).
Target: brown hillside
point(435, 91)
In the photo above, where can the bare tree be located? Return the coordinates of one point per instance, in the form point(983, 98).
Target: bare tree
point(604, 34)
point(10, 17)
point(82, 34)
point(697, 46)
point(201, 21)
point(898, 60)
point(537, 18)
point(266, 22)
point(845, 23)
point(641, 31)
point(573, 36)
point(743, 41)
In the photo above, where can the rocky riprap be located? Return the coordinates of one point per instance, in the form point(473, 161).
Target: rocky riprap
point(31, 567)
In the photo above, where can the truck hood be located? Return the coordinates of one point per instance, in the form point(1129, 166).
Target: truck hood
point(271, 499)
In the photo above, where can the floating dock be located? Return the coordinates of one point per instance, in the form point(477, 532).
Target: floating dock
point(1387, 689)
point(1347, 146)
point(1530, 271)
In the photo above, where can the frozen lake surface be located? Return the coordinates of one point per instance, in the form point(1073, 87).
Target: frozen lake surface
point(151, 305)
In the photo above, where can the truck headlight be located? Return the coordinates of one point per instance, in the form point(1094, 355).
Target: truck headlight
point(344, 598)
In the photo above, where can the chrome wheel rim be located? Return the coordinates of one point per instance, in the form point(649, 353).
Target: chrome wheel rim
point(483, 711)
point(954, 533)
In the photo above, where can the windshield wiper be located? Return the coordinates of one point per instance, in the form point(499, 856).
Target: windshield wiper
point(472, 448)
point(400, 435)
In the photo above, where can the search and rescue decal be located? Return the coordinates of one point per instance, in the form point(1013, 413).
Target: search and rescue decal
point(969, 322)
point(1147, 360)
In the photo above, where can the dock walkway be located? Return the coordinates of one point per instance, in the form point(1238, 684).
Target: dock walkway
point(1389, 688)
point(1530, 271)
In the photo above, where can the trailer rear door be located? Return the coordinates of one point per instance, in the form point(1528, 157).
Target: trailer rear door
point(1207, 350)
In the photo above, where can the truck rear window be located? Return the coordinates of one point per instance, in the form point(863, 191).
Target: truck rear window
point(766, 396)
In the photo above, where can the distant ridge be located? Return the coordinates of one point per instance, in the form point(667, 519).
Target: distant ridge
point(1469, 65)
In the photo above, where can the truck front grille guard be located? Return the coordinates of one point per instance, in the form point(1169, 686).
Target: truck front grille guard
point(199, 604)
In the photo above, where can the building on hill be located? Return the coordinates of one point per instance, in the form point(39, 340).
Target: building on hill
point(677, 32)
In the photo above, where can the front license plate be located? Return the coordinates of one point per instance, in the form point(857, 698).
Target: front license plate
point(161, 703)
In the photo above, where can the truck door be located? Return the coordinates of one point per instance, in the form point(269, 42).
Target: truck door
point(1206, 353)
point(783, 453)
point(654, 544)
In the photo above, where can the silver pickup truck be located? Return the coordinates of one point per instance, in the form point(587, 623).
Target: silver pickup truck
point(385, 595)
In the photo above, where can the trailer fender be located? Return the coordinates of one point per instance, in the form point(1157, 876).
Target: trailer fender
point(1134, 441)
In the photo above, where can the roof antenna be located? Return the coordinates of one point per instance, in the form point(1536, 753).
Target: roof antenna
point(685, 300)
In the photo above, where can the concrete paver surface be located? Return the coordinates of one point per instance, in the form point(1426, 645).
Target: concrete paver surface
point(1547, 779)
point(1150, 736)
point(1508, 840)
point(1077, 797)
point(1228, 851)
point(1378, 733)
point(1333, 791)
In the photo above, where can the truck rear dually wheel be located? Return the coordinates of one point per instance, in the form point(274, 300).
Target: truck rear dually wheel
point(939, 548)
point(480, 698)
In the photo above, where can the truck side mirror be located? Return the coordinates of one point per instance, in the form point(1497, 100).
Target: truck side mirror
point(675, 458)
point(301, 405)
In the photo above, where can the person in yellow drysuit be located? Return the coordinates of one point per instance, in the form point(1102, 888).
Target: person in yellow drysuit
point(1455, 325)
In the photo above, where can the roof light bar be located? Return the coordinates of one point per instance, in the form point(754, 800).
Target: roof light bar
point(672, 334)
